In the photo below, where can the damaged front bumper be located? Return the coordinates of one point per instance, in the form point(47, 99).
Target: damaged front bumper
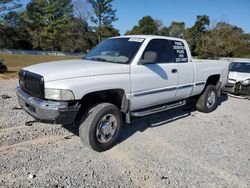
point(58, 112)
point(237, 88)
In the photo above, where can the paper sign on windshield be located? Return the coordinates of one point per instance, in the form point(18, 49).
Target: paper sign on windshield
point(136, 39)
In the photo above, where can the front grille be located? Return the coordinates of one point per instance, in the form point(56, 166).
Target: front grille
point(32, 83)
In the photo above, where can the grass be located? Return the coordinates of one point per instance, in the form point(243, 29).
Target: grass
point(15, 62)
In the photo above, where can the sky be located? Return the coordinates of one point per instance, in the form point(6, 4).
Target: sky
point(129, 12)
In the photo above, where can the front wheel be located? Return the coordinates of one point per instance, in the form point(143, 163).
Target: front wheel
point(101, 127)
point(208, 101)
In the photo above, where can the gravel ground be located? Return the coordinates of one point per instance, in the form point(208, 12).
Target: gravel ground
point(178, 148)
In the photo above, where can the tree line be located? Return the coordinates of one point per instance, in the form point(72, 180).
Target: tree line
point(205, 39)
point(77, 26)
point(65, 25)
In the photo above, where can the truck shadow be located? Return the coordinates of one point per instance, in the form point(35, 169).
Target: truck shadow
point(151, 121)
point(160, 119)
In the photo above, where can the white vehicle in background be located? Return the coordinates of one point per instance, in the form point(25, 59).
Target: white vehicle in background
point(239, 77)
point(122, 77)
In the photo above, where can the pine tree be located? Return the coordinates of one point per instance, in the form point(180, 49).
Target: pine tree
point(104, 15)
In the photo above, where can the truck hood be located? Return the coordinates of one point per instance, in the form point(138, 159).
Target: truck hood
point(59, 70)
point(238, 76)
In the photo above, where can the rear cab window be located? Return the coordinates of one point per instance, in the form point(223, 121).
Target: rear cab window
point(179, 51)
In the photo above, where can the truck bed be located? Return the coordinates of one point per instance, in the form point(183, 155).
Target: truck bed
point(205, 68)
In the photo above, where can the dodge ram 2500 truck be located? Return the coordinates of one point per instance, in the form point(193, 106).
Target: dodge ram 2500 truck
point(122, 77)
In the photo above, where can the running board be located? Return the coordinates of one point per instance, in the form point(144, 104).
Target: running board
point(158, 109)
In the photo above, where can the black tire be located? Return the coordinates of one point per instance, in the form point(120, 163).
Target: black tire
point(203, 104)
point(91, 122)
point(3, 68)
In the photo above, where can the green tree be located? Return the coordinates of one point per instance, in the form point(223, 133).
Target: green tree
point(177, 29)
point(109, 31)
point(59, 16)
point(194, 34)
point(13, 33)
point(36, 20)
point(49, 22)
point(104, 15)
point(147, 25)
point(245, 48)
point(80, 37)
point(224, 40)
point(164, 31)
point(84, 38)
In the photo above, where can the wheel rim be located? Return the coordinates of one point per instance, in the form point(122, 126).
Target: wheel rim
point(106, 128)
point(211, 99)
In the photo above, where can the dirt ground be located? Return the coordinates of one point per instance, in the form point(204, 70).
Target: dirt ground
point(178, 148)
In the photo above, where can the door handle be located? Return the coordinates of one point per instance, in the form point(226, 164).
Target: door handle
point(174, 71)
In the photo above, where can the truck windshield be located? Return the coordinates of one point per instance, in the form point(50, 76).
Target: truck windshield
point(116, 50)
point(240, 67)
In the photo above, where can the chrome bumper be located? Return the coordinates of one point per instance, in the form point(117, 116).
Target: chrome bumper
point(47, 111)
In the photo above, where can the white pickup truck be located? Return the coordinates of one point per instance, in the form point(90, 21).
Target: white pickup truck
point(122, 77)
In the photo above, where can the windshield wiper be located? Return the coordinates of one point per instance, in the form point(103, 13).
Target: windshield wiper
point(102, 59)
point(98, 59)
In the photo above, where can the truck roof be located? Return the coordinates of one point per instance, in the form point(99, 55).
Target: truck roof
point(150, 37)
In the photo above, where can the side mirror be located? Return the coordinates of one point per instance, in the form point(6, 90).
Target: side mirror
point(149, 58)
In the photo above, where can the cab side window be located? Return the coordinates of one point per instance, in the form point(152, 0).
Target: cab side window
point(160, 49)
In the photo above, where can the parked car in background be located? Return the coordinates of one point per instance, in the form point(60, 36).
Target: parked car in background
point(239, 78)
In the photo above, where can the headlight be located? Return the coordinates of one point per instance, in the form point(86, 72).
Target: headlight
point(245, 82)
point(59, 94)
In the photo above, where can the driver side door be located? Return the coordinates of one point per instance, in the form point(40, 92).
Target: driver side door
point(154, 83)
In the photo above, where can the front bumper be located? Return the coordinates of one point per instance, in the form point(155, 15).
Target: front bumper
point(47, 111)
point(237, 89)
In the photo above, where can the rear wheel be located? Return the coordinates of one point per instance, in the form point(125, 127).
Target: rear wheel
point(208, 101)
point(101, 127)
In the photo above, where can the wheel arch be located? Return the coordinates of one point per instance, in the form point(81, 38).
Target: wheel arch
point(116, 97)
point(213, 80)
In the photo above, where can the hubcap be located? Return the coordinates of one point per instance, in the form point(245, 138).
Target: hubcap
point(106, 128)
point(211, 99)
